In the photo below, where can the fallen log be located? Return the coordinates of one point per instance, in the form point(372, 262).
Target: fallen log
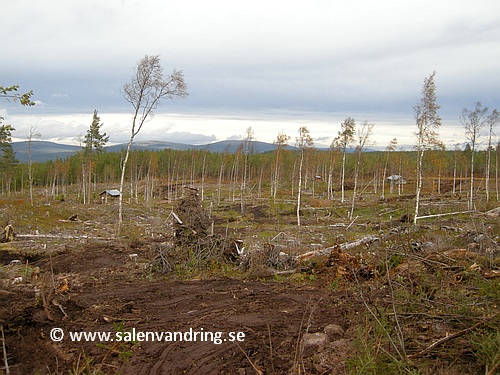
point(445, 214)
point(64, 236)
point(344, 246)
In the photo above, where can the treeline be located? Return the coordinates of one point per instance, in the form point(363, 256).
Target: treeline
point(274, 174)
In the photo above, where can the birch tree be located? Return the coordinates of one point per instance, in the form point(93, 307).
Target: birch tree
point(497, 152)
point(280, 143)
point(428, 122)
point(304, 141)
point(473, 122)
point(145, 90)
point(390, 148)
point(344, 139)
point(247, 149)
point(364, 133)
point(492, 120)
point(7, 154)
point(10, 93)
point(32, 133)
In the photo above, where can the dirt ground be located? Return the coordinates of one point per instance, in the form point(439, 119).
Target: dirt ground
point(102, 289)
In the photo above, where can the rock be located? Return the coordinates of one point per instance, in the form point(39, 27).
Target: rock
point(334, 331)
point(311, 342)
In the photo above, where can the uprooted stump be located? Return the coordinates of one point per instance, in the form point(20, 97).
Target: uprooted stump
point(194, 221)
point(279, 259)
point(192, 243)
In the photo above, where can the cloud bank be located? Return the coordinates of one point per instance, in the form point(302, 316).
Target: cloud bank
point(315, 62)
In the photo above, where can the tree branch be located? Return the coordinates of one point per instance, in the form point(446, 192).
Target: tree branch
point(450, 337)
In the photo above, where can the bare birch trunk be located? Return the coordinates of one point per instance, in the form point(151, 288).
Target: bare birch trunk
point(122, 179)
point(299, 188)
point(219, 185)
point(471, 197)
point(496, 174)
point(419, 185)
point(343, 177)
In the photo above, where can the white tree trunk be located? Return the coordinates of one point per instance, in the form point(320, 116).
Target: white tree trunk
point(343, 177)
point(419, 185)
point(122, 179)
point(471, 198)
point(300, 188)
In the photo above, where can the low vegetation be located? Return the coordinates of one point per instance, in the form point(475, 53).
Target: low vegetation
point(418, 299)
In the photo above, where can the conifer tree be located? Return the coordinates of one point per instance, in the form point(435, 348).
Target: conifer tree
point(93, 143)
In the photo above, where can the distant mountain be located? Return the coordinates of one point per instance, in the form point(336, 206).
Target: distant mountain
point(232, 146)
point(42, 151)
point(150, 145)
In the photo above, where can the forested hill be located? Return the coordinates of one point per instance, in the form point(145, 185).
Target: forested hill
point(42, 151)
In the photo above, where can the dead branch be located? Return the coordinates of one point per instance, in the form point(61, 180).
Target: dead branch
point(450, 337)
point(345, 246)
point(56, 303)
point(46, 294)
point(422, 259)
point(4, 349)
point(352, 222)
point(257, 370)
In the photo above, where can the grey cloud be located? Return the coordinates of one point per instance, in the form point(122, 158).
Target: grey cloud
point(317, 56)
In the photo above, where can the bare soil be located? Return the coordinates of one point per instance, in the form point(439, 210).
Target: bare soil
point(105, 288)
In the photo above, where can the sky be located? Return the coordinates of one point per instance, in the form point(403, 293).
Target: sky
point(272, 65)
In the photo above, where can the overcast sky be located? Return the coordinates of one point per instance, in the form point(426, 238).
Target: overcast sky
point(274, 65)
